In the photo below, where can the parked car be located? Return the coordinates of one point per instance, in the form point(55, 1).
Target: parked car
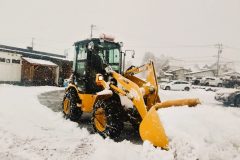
point(231, 82)
point(189, 78)
point(163, 81)
point(228, 96)
point(211, 81)
point(176, 85)
point(196, 81)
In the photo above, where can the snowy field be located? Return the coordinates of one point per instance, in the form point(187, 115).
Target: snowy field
point(29, 130)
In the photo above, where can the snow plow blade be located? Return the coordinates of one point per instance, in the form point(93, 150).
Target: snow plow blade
point(178, 103)
point(151, 129)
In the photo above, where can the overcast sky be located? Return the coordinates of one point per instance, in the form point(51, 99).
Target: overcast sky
point(184, 29)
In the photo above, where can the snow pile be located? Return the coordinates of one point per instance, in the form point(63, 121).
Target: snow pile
point(29, 130)
point(209, 131)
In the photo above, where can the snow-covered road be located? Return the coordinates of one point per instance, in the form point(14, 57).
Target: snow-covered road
point(29, 130)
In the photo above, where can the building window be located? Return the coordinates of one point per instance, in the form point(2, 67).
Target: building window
point(2, 59)
point(17, 61)
point(7, 60)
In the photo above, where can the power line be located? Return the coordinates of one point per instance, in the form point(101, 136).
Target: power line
point(176, 46)
point(231, 47)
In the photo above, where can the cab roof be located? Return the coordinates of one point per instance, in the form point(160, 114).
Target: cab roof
point(94, 40)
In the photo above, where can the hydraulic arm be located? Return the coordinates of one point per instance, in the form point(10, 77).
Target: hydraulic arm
point(144, 96)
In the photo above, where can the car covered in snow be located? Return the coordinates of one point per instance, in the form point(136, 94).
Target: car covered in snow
point(231, 82)
point(211, 81)
point(176, 85)
point(228, 96)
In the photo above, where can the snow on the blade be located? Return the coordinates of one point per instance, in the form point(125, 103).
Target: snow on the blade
point(134, 93)
point(29, 130)
point(105, 92)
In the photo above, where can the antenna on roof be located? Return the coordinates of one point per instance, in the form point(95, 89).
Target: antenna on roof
point(92, 27)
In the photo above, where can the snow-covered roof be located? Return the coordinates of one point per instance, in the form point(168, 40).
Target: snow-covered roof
point(231, 73)
point(32, 53)
point(39, 62)
point(168, 74)
point(170, 71)
point(193, 67)
point(206, 70)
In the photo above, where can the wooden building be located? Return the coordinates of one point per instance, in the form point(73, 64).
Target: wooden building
point(39, 72)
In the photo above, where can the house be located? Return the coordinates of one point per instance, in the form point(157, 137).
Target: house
point(30, 67)
point(179, 73)
point(230, 74)
point(202, 73)
point(164, 75)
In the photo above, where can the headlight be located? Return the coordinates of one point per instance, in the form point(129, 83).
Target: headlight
point(100, 78)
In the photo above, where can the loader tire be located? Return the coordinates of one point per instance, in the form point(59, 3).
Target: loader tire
point(69, 106)
point(107, 119)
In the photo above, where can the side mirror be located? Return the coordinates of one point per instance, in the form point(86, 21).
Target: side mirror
point(133, 54)
point(124, 55)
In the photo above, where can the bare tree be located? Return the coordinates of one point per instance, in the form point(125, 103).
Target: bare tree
point(160, 62)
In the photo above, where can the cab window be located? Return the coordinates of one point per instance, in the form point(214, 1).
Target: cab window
point(82, 54)
point(113, 56)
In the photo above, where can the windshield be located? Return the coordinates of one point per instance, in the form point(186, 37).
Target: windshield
point(110, 54)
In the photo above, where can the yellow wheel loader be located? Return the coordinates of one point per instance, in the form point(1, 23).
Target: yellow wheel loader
point(99, 86)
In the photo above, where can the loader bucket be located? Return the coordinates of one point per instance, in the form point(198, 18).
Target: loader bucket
point(151, 129)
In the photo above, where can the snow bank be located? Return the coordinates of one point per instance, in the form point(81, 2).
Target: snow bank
point(209, 131)
point(29, 130)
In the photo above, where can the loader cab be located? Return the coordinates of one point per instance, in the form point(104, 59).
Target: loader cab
point(91, 57)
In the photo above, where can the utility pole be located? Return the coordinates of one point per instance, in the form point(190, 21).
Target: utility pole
point(66, 52)
point(220, 47)
point(32, 43)
point(92, 26)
